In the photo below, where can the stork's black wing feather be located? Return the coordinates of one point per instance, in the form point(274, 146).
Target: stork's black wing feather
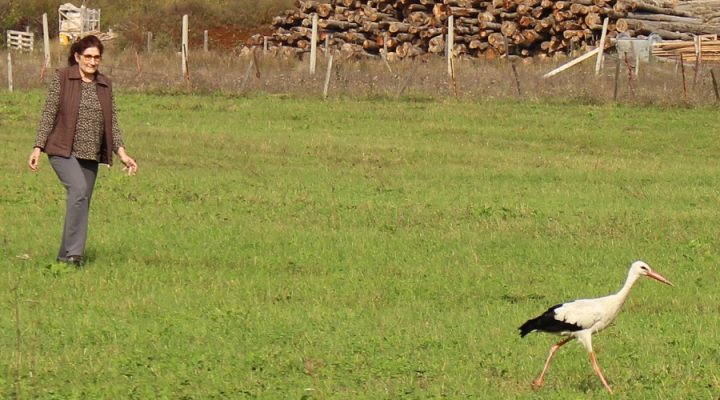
point(547, 322)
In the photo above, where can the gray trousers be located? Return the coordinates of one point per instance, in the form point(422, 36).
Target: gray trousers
point(78, 177)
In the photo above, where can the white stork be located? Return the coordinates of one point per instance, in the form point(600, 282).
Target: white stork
point(582, 318)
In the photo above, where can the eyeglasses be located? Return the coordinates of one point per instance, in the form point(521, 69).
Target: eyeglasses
point(88, 57)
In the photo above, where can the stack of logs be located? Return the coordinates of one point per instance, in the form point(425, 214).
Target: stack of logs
point(704, 49)
point(709, 10)
point(482, 28)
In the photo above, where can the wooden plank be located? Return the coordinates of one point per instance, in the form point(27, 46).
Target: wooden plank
point(572, 63)
point(603, 35)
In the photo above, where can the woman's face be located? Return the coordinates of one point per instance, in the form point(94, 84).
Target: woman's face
point(88, 61)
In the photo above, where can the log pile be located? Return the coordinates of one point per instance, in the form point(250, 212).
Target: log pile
point(709, 10)
point(704, 49)
point(663, 19)
point(482, 28)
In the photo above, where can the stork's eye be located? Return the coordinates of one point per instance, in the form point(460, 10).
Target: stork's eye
point(644, 268)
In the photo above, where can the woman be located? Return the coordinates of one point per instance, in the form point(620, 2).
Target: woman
point(78, 130)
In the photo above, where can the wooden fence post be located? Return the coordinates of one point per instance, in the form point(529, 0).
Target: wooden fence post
point(517, 78)
point(10, 72)
point(682, 69)
point(149, 41)
point(184, 50)
point(450, 43)
point(617, 78)
point(313, 44)
point(385, 46)
point(46, 40)
point(698, 59)
point(205, 40)
point(715, 86)
point(248, 70)
point(83, 19)
point(453, 77)
point(327, 77)
point(631, 73)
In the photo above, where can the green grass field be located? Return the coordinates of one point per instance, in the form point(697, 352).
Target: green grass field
point(286, 248)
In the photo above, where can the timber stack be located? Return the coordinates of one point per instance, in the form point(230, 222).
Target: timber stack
point(401, 29)
point(703, 49)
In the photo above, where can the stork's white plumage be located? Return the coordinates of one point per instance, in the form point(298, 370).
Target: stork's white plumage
point(580, 319)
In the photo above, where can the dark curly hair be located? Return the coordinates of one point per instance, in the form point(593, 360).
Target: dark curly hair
point(83, 44)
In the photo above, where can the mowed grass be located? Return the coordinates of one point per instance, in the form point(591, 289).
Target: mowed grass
point(291, 248)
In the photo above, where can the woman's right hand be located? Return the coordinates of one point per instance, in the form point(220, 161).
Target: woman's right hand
point(34, 159)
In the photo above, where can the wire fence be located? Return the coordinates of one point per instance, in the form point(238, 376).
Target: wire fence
point(619, 80)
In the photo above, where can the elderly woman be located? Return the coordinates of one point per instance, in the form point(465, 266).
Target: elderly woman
point(79, 130)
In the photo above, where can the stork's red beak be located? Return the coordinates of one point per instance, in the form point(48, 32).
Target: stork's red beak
point(658, 277)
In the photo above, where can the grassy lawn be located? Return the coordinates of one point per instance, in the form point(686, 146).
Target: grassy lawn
point(277, 247)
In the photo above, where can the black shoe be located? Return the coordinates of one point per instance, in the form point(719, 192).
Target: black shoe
point(74, 260)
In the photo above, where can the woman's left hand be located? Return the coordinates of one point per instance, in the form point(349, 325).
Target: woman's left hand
point(130, 165)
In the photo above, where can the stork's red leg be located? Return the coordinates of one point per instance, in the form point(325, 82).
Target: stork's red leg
point(596, 368)
point(537, 383)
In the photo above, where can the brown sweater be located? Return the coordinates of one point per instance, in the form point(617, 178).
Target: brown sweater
point(75, 116)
